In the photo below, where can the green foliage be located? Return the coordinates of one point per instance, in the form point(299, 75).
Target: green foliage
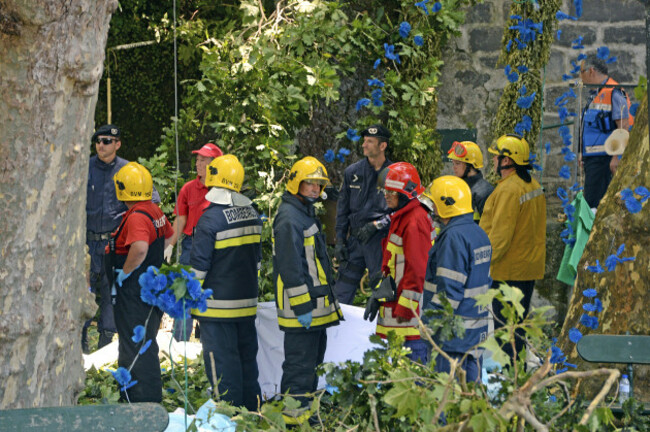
point(641, 90)
point(164, 180)
point(100, 388)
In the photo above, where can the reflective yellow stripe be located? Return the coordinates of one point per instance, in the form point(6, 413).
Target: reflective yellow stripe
point(298, 300)
point(237, 241)
point(403, 331)
point(293, 322)
point(226, 313)
point(279, 293)
point(321, 273)
point(309, 241)
point(407, 303)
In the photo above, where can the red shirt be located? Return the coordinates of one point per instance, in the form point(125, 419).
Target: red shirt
point(139, 227)
point(191, 203)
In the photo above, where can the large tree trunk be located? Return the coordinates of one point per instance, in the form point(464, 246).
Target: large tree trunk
point(624, 291)
point(51, 60)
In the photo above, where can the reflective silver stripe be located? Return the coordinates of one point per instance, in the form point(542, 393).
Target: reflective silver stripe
point(474, 323)
point(454, 303)
point(482, 255)
point(232, 304)
point(600, 106)
point(473, 292)
point(394, 238)
point(594, 149)
point(530, 195)
point(320, 311)
point(199, 273)
point(389, 321)
point(411, 295)
point(399, 268)
point(451, 274)
point(311, 264)
point(296, 291)
point(430, 286)
point(312, 230)
point(238, 232)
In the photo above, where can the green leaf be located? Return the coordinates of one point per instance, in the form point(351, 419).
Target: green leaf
point(179, 287)
point(497, 353)
point(513, 295)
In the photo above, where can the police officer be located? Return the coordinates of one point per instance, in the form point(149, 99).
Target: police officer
point(138, 242)
point(467, 161)
point(302, 275)
point(229, 266)
point(103, 214)
point(362, 217)
point(189, 207)
point(514, 219)
point(459, 269)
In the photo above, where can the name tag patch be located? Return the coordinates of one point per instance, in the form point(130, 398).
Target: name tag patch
point(239, 214)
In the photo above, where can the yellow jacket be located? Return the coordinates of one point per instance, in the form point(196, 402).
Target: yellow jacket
point(514, 219)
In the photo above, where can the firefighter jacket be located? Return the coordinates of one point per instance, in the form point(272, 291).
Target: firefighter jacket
point(459, 269)
point(481, 190)
point(405, 258)
point(360, 200)
point(226, 254)
point(301, 268)
point(598, 119)
point(514, 219)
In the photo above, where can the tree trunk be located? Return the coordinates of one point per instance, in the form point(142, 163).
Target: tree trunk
point(624, 291)
point(51, 60)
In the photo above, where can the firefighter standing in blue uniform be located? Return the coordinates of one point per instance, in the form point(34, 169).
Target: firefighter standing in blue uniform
point(226, 255)
point(362, 217)
point(103, 215)
point(302, 275)
point(459, 269)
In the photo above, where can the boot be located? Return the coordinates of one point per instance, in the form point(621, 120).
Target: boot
point(105, 337)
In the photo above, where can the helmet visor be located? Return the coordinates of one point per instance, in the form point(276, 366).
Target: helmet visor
point(458, 149)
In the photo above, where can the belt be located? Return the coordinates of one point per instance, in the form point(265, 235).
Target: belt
point(91, 236)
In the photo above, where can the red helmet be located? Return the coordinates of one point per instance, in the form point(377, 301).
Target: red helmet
point(402, 177)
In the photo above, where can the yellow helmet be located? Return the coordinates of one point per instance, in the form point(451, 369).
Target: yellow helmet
point(450, 195)
point(513, 146)
point(226, 172)
point(133, 183)
point(308, 168)
point(468, 152)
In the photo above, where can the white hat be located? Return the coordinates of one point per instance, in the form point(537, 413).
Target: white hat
point(616, 142)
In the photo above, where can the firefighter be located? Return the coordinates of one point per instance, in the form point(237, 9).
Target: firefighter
point(514, 219)
point(404, 259)
point(229, 267)
point(467, 161)
point(361, 215)
point(458, 269)
point(302, 275)
point(138, 242)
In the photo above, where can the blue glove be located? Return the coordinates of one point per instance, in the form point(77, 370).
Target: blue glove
point(121, 276)
point(305, 319)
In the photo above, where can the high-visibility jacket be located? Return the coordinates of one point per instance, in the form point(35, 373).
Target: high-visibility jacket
point(301, 268)
point(598, 119)
point(514, 219)
point(459, 269)
point(226, 254)
point(405, 259)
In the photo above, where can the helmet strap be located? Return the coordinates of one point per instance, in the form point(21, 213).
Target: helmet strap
point(468, 167)
point(504, 167)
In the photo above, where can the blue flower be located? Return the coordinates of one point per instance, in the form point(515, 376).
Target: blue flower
point(510, 74)
point(564, 113)
point(376, 64)
point(552, 398)
point(612, 260)
point(562, 16)
point(547, 148)
point(643, 192)
point(568, 154)
point(602, 53)
point(343, 152)
point(562, 195)
point(578, 6)
point(423, 5)
point(194, 288)
point(353, 135)
point(596, 306)
point(404, 29)
point(123, 378)
point(590, 292)
point(509, 45)
point(524, 126)
point(595, 268)
point(362, 102)
point(418, 40)
point(576, 187)
point(611, 60)
point(566, 77)
point(565, 172)
point(389, 52)
point(145, 347)
point(558, 34)
point(329, 156)
point(375, 82)
point(376, 93)
point(577, 43)
point(436, 7)
point(525, 102)
point(575, 335)
point(589, 321)
point(377, 102)
point(582, 56)
point(138, 334)
point(522, 69)
point(563, 98)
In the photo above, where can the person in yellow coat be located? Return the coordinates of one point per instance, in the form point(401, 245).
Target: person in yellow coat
point(514, 219)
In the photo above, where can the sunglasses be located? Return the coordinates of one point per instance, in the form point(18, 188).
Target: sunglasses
point(458, 149)
point(105, 141)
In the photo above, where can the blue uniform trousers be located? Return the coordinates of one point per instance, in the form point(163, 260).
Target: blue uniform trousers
point(234, 348)
point(471, 366)
point(183, 333)
point(597, 178)
point(361, 257)
point(303, 352)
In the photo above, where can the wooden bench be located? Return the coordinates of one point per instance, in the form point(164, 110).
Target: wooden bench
point(621, 349)
point(145, 417)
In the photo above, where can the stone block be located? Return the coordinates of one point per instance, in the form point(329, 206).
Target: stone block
point(571, 32)
point(610, 10)
point(485, 39)
point(471, 78)
point(489, 61)
point(634, 35)
point(555, 67)
point(480, 13)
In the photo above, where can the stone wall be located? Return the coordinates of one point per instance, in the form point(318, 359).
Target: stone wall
point(472, 84)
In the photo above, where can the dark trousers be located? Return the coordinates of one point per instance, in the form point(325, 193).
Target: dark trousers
point(182, 331)
point(361, 257)
point(471, 366)
point(597, 178)
point(234, 348)
point(130, 311)
point(419, 350)
point(106, 320)
point(303, 352)
point(527, 288)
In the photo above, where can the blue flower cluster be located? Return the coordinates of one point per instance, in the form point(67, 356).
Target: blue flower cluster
point(123, 378)
point(330, 155)
point(527, 30)
point(174, 293)
point(559, 358)
point(614, 259)
point(589, 321)
point(633, 204)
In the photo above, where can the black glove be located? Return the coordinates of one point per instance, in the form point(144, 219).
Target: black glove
point(366, 232)
point(341, 253)
point(374, 279)
point(372, 307)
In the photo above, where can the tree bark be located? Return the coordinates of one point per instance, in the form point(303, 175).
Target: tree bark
point(624, 291)
point(51, 60)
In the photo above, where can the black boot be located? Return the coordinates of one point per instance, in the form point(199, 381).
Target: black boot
point(105, 337)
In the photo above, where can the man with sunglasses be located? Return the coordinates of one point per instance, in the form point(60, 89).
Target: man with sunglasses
point(103, 215)
point(362, 217)
point(467, 161)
